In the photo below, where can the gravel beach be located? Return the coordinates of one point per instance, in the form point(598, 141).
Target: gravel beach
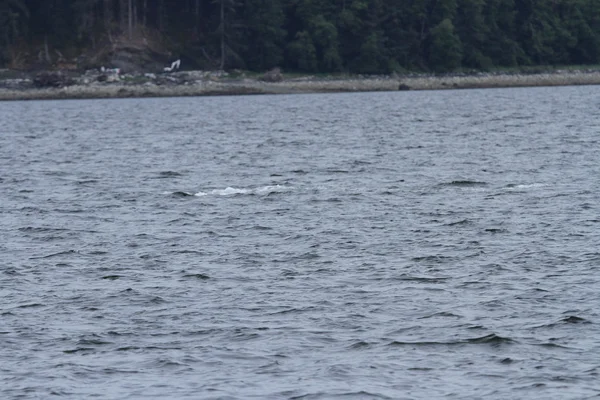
point(201, 83)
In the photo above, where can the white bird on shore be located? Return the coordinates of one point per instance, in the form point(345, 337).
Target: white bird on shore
point(114, 71)
point(174, 66)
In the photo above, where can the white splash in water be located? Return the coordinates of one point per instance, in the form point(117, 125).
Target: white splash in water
point(526, 186)
point(228, 191)
point(261, 191)
point(265, 190)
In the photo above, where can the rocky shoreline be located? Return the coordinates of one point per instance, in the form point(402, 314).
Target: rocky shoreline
point(113, 84)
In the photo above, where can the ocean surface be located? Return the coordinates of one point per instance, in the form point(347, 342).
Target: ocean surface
point(405, 245)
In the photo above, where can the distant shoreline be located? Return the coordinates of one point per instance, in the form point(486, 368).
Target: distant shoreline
point(198, 83)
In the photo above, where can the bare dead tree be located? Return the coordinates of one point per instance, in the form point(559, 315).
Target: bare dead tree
point(130, 19)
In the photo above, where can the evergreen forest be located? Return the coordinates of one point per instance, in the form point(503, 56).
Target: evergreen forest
point(314, 36)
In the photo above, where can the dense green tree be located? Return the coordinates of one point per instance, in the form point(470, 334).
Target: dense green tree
point(13, 24)
point(302, 53)
point(317, 35)
point(582, 45)
point(351, 25)
point(500, 44)
point(325, 38)
point(13, 17)
point(401, 40)
point(442, 10)
point(473, 33)
point(265, 35)
point(371, 59)
point(536, 30)
point(445, 50)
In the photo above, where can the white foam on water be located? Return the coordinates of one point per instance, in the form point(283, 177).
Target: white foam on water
point(526, 186)
point(265, 190)
point(228, 191)
point(261, 191)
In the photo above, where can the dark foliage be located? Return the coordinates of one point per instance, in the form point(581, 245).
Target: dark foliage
point(361, 36)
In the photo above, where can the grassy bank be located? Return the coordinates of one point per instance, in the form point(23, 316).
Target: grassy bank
point(505, 79)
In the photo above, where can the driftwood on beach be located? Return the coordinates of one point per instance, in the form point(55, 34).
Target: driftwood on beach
point(198, 83)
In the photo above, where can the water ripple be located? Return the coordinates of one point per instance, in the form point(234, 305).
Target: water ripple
point(359, 246)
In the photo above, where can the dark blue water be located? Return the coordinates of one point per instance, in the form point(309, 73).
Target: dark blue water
point(410, 245)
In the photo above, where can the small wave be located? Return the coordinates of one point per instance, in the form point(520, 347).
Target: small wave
point(495, 230)
point(29, 209)
point(461, 222)
point(62, 253)
point(431, 259)
point(551, 345)
point(442, 314)
point(361, 162)
point(293, 310)
point(492, 339)
point(464, 183)
point(92, 342)
point(359, 345)
point(196, 276)
point(129, 348)
point(421, 279)
point(112, 277)
point(34, 229)
point(327, 200)
point(31, 305)
point(97, 253)
point(262, 228)
point(169, 174)
point(572, 319)
point(79, 350)
point(179, 194)
point(362, 395)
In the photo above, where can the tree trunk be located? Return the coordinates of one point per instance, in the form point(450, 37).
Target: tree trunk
point(107, 11)
point(145, 12)
point(222, 35)
point(93, 17)
point(130, 19)
point(47, 50)
point(161, 17)
point(135, 13)
point(197, 19)
point(123, 15)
